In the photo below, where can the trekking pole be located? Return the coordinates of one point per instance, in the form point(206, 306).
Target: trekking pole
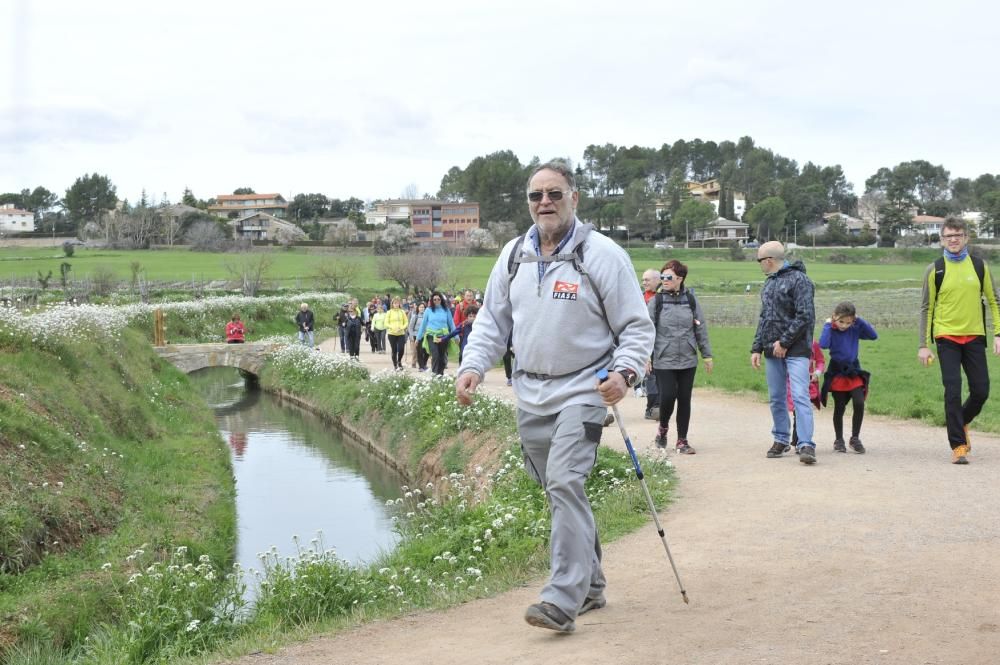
point(602, 376)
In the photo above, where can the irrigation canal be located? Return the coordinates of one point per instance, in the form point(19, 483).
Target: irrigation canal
point(297, 476)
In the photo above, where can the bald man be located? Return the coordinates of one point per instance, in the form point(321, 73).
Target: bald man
point(784, 338)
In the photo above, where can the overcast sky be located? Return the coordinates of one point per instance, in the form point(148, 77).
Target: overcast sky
point(367, 99)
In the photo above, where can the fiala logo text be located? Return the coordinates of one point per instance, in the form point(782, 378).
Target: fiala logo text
point(565, 291)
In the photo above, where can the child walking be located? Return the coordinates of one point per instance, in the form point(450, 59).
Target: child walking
point(844, 376)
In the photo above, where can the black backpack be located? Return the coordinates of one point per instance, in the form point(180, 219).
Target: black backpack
point(692, 303)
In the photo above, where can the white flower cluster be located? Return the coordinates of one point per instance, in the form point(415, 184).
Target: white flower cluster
point(309, 363)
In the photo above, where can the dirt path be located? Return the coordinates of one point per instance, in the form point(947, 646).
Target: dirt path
point(888, 557)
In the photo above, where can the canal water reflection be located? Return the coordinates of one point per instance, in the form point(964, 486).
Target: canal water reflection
point(295, 475)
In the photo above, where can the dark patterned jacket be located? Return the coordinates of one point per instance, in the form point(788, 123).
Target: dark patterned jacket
point(787, 312)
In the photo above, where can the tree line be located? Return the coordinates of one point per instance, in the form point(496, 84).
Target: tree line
point(640, 189)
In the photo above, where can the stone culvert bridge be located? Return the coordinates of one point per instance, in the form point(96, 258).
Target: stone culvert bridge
point(189, 358)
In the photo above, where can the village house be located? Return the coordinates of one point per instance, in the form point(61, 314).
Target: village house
point(15, 220)
point(232, 206)
point(262, 226)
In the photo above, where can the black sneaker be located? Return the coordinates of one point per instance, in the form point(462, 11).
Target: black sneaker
point(807, 454)
point(661, 438)
point(592, 603)
point(839, 447)
point(653, 413)
point(547, 615)
point(857, 446)
point(778, 449)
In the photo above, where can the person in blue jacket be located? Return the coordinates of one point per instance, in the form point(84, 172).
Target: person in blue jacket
point(437, 323)
point(463, 330)
point(844, 376)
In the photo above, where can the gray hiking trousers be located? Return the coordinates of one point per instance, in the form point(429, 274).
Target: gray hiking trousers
point(559, 454)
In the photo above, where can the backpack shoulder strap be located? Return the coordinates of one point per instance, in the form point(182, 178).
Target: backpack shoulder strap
point(657, 310)
point(980, 267)
point(938, 273)
point(512, 259)
point(692, 303)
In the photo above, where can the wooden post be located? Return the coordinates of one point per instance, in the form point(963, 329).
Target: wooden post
point(158, 335)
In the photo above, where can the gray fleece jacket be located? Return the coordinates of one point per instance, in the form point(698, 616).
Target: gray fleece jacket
point(681, 334)
point(561, 335)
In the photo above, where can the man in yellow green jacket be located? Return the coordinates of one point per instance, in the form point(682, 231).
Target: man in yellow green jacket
point(952, 315)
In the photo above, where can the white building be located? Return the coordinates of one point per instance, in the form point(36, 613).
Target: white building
point(15, 220)
point(393, 210)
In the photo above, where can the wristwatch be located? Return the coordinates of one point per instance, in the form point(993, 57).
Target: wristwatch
point(629, 376)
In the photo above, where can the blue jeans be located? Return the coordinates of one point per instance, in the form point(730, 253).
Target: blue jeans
point(309, 334)
point(780, 373)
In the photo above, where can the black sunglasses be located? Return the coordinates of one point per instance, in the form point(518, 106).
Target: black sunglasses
point(668, 278)
point(765, 258)
point(554, 195)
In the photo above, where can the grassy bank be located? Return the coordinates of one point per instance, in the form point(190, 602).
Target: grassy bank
point(103, 450)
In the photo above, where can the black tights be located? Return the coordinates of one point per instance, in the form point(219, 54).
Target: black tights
point(840, 400)
point(676, 384)
point(398, 345)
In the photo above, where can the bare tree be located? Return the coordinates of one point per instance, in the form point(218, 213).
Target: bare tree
point(250, 270)
point(424, 271)
point(205, 237)
point(135, 229)
point(335, 275)
point(410, 192)
point(870, 206)
point(341, 233)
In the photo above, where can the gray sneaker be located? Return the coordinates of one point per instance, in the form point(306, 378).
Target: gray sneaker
point(838, 446)
point(807, 454)
point(592, 603)
point(778, 449)
point(547, 615)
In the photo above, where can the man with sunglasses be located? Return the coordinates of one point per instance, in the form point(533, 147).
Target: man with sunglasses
point(784, 338)
point(952, 314)
point(573, 309)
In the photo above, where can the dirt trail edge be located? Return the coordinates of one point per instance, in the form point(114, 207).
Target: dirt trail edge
point(888, 557)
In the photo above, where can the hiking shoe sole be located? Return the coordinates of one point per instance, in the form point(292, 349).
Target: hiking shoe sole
point(592, 604)
point(547, 615)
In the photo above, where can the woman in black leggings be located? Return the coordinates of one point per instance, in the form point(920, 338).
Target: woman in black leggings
point(680, 334)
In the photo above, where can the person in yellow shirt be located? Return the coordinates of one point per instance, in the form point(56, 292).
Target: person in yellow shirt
point(952, 314)
point(396, 322)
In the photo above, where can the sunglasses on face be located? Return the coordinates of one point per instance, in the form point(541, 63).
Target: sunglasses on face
point(667, 278)
point(554, 195)
point(762, 259)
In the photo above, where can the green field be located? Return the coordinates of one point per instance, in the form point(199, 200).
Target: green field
point(298, 268)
